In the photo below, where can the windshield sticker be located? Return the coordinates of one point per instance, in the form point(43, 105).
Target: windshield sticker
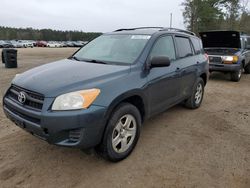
point(140, 37)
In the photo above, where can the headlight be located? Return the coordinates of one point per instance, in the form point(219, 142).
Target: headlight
point(230, 59)
point(75, 100)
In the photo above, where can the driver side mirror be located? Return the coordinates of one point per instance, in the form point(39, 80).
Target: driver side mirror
point(160, 61)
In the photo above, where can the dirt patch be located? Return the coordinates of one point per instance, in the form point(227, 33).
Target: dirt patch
point(208, 147)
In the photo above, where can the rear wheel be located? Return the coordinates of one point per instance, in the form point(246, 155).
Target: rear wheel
point(195, 100)
point(122, 133)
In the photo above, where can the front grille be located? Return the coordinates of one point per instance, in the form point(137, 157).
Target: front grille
point(215, 59)
point(33, 100)
point(28, 118)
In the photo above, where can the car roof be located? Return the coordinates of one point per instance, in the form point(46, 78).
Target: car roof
point(151, 31)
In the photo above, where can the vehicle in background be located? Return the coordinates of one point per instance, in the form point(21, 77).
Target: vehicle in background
point(16, 44)
point(33, 42)
point(6, 44)
point(228, 51)
point(70, 44)
point(101, 95)
point(41, 44)
point(53, 44)
point(26, 44)
point(63, 43)
point(78, 43)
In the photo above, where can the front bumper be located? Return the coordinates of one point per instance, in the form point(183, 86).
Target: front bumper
point(224, 67)
point(81, 129)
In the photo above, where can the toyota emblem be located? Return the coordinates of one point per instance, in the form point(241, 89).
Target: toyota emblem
point(22, 97)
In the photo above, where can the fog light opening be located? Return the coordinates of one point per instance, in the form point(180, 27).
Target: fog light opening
point(46, 131)
point(75, 135)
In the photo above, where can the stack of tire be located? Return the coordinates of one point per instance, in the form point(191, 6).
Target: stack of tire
point(9, 58)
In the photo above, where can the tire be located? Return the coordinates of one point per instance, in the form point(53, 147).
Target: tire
point(120, 139)
point(247, 68)
point(195, 100)
point(236, 76)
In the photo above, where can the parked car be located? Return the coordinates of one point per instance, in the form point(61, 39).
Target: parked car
point(78, 44)
point(41, 44)
point(229, 52)
point(53, 44)
point(26, 44)
point(16, 44)
point(6, 44)
point(63, 43)
point(70, 44)
point(102, 94)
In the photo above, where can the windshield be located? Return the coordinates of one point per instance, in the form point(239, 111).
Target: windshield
point(122, 49)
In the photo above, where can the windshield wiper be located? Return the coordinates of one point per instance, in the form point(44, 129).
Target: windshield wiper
point(95, 61)
point(75, 58)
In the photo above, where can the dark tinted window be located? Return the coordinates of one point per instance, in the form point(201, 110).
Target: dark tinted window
point(248, 42)
point(242, 42)
point(164, 47)
point(197, 45)
point(184, 47)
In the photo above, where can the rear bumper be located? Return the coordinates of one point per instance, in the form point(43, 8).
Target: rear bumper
point(224, 67)
point(81, 129)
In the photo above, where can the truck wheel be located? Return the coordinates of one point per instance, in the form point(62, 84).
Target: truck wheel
point(247, 69)
point(236, 76)
point(121, 134)
point(195, 100)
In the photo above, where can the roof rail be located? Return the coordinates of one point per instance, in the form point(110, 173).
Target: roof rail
point(130, 29)
point(178, 30)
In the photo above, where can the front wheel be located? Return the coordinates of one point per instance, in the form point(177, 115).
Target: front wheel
point(121, 134)
point(195, 100)
point(236, 76)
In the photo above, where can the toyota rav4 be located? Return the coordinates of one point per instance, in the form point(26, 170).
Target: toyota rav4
point(100, 96)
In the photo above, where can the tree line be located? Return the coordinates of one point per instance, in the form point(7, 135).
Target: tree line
point(204, 15)
point(8, 33)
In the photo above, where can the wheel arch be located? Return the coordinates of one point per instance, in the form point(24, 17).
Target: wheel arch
point(134, 97)
point(204, 78)
point(243, 62)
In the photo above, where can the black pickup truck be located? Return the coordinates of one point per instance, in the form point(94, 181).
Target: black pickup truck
point(228, 51)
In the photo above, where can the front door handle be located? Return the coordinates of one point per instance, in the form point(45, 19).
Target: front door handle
point(177, 69)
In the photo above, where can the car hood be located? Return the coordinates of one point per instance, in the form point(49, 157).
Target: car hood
point(67, 75)
point(222, 51)
point(221, 39)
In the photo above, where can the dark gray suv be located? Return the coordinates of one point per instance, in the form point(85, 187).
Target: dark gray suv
point(99, 97)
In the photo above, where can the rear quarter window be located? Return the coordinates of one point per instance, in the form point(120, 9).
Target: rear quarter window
point(197, 45)
point(248, 42)
point(184, 47)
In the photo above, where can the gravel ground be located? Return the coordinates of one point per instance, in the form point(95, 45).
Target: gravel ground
point(207, 147)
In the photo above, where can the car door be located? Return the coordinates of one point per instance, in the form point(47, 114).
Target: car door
point(163, 82)
point(187, 63)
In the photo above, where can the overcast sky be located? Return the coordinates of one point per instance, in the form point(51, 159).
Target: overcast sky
point(89, 15)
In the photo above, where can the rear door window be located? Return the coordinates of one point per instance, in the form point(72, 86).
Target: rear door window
point(184, 47)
